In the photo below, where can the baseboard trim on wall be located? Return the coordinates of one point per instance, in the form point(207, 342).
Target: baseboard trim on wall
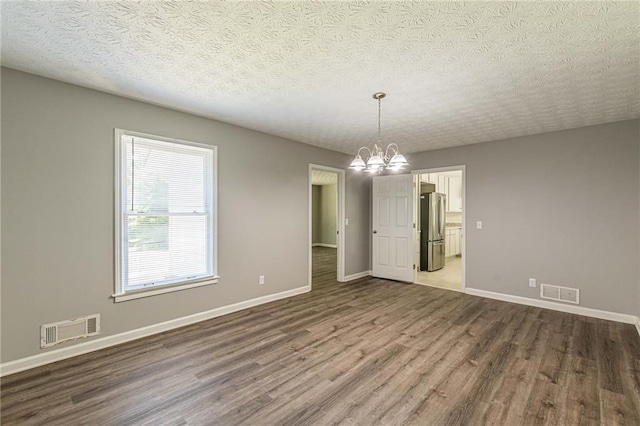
point(357, 275)
point(324, 245)
point(638, 324)
point(105, 342)
point(571, 309)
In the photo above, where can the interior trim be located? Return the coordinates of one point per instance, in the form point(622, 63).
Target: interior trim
point(340, 219)
point(570, 309)
point(116, 339)
point(324, 245)
point(162, 290)
point(463, 249)
point(438, 287)
point(357, 275)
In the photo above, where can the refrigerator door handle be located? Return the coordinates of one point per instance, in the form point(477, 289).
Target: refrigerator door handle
point(441, 218)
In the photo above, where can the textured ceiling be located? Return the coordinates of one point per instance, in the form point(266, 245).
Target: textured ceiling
point(319, 177)
point(455, 73)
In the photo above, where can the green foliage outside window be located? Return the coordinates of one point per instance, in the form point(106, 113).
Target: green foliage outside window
point(150, 233)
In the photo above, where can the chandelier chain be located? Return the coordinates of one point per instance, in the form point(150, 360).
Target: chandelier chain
point(379, 114)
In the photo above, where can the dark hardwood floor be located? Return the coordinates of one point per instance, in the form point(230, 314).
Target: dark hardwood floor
point(366, 352)
point(324, 267)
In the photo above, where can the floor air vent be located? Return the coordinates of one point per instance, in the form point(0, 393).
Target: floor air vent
point(64, 331)
point(563, 294)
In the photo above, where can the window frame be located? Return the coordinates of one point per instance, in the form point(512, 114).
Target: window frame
point(121, 293)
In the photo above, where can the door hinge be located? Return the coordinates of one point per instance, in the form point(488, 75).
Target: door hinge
point(414, 226)
point(414, 266)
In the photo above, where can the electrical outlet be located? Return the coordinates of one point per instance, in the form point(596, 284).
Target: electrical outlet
point(532, 282)
point(479, 224)
point(261, 280)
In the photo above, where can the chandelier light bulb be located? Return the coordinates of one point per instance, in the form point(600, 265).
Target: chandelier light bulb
point(358, 163)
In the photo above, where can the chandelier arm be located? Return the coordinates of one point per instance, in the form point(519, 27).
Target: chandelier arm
point(363, 147)
point(391, 146)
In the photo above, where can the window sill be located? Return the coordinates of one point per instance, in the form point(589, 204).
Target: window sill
point(123, 297)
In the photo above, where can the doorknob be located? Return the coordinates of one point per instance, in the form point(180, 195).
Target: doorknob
point(375, 232)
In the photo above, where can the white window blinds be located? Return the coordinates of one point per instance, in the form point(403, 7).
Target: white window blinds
point(166, 213)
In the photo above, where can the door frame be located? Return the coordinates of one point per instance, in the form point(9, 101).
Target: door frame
point(340, 220)
point(416, 190)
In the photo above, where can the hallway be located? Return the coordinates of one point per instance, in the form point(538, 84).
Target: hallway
point(324, 267)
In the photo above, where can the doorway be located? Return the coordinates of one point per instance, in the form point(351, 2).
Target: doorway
point(326, 225)
point(439, 215)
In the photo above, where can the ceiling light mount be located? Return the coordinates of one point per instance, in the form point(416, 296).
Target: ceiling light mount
point(377, 159)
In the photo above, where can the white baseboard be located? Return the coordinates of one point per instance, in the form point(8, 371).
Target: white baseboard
point(324, 245)
point(105, 342)
point(638, 324)
point(356, 276)
point(571, 309)
point(441, 288)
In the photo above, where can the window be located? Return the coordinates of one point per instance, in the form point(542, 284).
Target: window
point(165, 215)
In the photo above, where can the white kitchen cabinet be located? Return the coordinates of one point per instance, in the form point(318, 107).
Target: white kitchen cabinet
point(448, 243)
point(456, 242)
point(453, 242)
point(442, 185)
point(435, 179)
point(454, 194)
point(451, 186)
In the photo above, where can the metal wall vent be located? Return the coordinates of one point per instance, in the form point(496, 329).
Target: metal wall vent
point(64, 331)
point(562, 294)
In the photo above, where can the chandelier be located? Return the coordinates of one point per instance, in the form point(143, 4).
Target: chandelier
point(377, 159)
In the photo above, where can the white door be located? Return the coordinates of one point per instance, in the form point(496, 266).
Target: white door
point(393, 227)
point(416, 234)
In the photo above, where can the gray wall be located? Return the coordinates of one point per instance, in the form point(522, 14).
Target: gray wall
point(358, 195)
point(562, 207)
point(58, 210)
point(315, 213)
point(325, 212)
point(328, 214)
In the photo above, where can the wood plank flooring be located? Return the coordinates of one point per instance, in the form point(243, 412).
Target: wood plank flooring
point(367, 352)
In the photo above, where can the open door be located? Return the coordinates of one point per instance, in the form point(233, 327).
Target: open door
point(393, 227)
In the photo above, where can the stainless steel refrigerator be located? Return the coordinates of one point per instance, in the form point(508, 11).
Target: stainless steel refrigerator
point(432, 231)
